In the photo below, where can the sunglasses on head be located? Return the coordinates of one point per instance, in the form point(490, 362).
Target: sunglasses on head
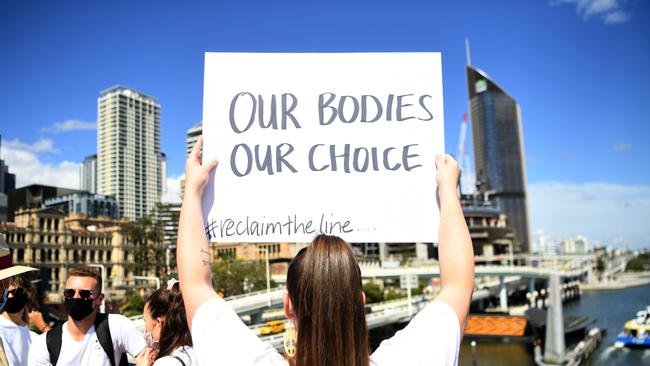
point(84, 294)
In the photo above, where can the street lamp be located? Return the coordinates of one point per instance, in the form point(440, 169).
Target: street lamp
point(102, 307)
point(268, 275)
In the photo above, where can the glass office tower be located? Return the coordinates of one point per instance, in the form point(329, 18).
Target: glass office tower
point(499, 151)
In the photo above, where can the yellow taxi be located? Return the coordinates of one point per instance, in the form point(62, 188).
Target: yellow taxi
point(272, 327)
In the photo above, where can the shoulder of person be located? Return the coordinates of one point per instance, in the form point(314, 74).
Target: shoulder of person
point(38, 350)
point(169, 361)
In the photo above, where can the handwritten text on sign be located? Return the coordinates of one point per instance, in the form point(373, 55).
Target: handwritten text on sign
point(337, 143)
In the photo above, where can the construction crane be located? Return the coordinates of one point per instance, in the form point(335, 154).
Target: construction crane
point(467, 179)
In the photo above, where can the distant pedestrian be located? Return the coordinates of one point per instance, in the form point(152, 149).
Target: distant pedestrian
point(169, 342)
point(14, 343)
point(88, 337)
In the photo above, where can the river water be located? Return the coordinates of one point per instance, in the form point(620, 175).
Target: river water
point(611, 309)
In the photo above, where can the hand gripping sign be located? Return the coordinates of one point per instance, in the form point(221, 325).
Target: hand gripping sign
point(335, 143)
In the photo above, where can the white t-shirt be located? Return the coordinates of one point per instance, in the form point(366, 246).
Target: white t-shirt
point(16, 340)
point(220, 337)
point(185, 353)
point(126, 338)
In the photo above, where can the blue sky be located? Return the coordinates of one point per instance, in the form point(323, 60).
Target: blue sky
point(576, 67)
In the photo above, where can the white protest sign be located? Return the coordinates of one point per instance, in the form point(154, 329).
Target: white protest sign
point(338, 143)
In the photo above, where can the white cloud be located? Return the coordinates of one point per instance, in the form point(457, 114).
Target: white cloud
point(40, 146)
point(23, 161)
point(70, 125)
point(600, 211)
point(609, 11)
point(173, 194)
point(621, 147)
point(616, 17)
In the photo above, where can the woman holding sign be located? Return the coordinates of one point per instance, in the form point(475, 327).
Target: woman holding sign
point(325, 301)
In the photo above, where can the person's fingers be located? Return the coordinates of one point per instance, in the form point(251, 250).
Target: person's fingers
point(439, 161)
point(211, 164)
point(195, 155)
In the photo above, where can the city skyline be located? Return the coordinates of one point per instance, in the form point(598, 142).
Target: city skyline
point(571, 68)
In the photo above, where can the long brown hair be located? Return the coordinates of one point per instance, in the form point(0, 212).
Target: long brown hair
point(175, 332)
point(324, 285)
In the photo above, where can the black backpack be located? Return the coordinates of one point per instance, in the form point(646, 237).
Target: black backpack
point(54, 336)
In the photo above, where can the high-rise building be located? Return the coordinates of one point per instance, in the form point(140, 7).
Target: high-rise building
point(88, 176)
point(33, 196)
point(499, 151)
point(130, 165)
point(192, 135)
point(7, 184)
point(85, 203)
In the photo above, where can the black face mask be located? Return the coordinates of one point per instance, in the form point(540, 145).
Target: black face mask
point(79, 308)
point(17, 303)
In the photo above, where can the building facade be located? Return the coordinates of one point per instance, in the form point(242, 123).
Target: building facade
point(85, 203)
point(130, 165)
point(492, 238)
point(280, 254)
point(33, 196)
point(53, 242)
point(88, 174)
point(499, 151)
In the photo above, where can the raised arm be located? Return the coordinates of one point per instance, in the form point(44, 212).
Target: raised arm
point(455, 244)
point(192, 251)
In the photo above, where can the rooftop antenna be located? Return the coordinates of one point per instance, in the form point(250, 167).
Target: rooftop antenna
point(467, 54)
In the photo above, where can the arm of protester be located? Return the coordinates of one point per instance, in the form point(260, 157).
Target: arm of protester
point(36, 320)
point(455, 244)
point(130, 339)
point(192, 250)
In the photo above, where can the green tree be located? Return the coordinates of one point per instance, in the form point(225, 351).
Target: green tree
point(635, 265)
point(600, 265)
point(234, 276)
point(373, 293)
point(146, 235)
point(134, 306)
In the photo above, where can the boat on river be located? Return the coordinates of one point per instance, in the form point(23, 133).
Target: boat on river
point(636, 332)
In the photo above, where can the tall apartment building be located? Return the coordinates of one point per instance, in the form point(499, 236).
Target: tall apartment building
point(130, 165)
point(7, 184)
point(499, 151)
point(88, 176)
point(192, 135)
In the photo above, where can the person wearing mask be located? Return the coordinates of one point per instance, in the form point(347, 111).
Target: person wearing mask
point(14, 320)
point(169, 342)
point(12, 351)
point(88, 337)
point(324, 299)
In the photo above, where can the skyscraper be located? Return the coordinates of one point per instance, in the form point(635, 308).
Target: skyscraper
point(192, 135)
point(499, 151)
point(7, 184)
point(130, 165)
point(190, 140)
point(88, 176)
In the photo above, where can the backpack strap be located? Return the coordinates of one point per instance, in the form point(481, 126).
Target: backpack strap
point(180, 360)
point(53, 339)
point(104, 336)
